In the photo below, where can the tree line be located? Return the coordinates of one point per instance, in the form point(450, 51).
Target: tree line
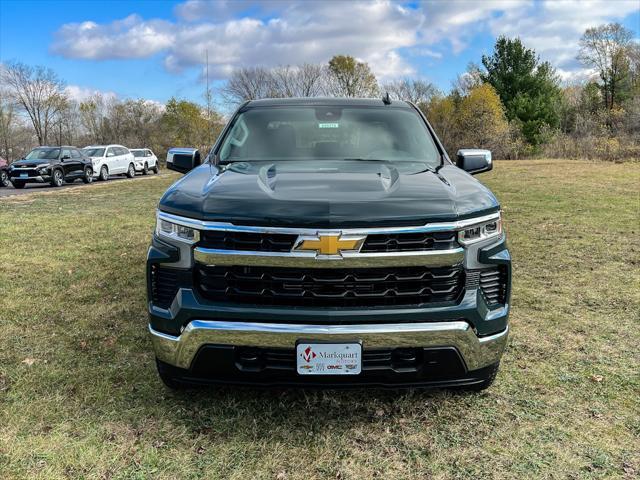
point(510, 102)
point(36, 109)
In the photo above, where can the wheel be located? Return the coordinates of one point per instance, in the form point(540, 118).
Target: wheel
point(489, 378)
point(145, 169)
point(88, 175)
point(104, 173)
point(17, 184)
point(132, 171)
point(155, 168)
point(169, 380)
point(57, 179)
point(4, 179)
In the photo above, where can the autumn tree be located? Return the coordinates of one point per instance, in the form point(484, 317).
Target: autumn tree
point(347, 77)
point(39, 92)
point(528, 88)
point(481, 118)
point(608, 49)
point(184, 124)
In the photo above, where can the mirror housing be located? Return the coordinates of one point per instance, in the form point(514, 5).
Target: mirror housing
point(65, 157)
point(183, 159)
point(474, 160)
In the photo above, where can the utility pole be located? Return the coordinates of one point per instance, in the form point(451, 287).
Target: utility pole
point(208, 95)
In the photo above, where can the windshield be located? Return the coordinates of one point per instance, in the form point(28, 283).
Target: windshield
point(93, 152)
point(329, 133)
point(138, 153)
point(43, 153)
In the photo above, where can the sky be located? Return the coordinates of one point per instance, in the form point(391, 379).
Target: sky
point(155, 49)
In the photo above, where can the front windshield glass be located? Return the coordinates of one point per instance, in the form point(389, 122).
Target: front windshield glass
point(138, 153)
point(329, 133)
point(93, 152)
point(43, 154)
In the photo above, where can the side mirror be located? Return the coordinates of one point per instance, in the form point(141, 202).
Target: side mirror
point(183, 159)
point(66, 157)
point(474, 160)
point(111, 154)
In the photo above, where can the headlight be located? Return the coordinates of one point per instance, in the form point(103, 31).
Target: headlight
point(178, 232)
point(481, 231)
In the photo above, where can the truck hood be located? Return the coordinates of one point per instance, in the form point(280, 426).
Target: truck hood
point(344, 194)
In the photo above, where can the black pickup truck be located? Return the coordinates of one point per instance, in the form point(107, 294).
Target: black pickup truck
point(329, 242)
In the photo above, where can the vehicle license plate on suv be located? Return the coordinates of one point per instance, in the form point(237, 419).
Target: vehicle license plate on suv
point(328, 358)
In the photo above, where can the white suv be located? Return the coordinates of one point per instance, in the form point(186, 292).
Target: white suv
point(111, 160)
point(145, 160)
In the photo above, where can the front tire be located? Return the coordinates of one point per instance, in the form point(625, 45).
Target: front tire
point(57, 179)
point(132, 171)
point(88, 175)
point(145, 169)
point(104, 174)
point(4, 179)
point(170, 381)
point(155, 169)
point(18, 185)
point(485, 383)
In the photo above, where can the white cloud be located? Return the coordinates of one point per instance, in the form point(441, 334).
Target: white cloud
point(81, 94)
point(301, 32)
point(386, 34)
point(131, 37)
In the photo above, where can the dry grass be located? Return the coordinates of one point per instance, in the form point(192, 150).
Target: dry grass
point(79, 397)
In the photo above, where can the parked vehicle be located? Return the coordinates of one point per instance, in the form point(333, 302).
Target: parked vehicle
point(54, 165)
point(111, 160)
point(145, 160)
point(4, 173)
point(329, 242)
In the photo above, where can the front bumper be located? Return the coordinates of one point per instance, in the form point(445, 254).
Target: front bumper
point(35, 179)
point(476, 352)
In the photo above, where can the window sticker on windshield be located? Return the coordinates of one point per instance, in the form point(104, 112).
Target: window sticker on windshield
point(328, 125)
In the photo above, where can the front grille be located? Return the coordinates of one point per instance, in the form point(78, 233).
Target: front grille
point(247, 241)
point(331, 287)
point(164, 285)
point(493, 284)
point(31, 172)
point(409, 242)
point(284, 242)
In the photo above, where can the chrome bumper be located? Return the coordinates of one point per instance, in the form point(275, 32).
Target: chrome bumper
point(477, 352)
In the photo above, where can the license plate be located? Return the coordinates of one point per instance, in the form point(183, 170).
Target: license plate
point(24, 175)
point(328, 358)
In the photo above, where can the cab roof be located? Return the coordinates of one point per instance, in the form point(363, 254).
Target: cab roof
point(325, 101)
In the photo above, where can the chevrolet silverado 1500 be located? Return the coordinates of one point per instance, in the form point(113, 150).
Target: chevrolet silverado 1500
point(329, 242)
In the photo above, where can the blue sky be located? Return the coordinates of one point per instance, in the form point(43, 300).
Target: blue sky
point(155, 49)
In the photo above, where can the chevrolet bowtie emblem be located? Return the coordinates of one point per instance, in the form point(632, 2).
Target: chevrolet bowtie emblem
point(332, 243)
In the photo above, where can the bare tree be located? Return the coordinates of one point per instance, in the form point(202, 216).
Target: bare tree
point(248, 83)
point(606, 48)
point(467, 81)
point(307, 80)
point(39, 91)
point(415, 91)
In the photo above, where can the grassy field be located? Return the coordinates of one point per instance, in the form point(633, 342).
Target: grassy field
point(79, 396)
